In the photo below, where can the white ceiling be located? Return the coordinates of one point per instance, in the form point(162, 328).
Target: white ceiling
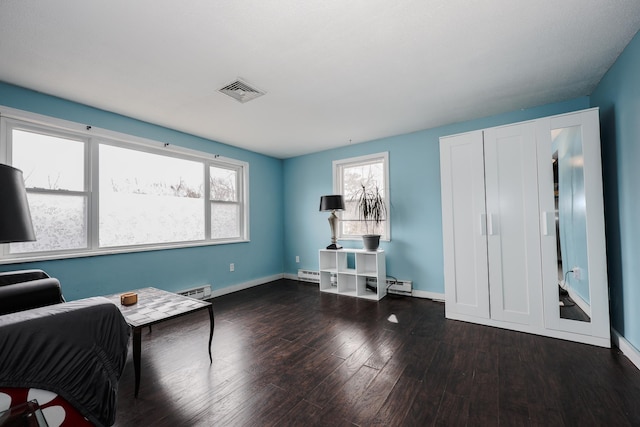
point(335, 71)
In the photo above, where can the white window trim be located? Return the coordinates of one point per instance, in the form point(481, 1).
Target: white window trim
point(96, 136)
point(337, 188)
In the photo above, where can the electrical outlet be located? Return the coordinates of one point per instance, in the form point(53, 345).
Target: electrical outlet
point(297, 259)
point(232, 267)
point(576, 273)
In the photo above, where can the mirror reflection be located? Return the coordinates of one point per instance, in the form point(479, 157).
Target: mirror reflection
point(571, 231)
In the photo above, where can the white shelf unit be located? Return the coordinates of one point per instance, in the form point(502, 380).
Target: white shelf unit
point(345, 272)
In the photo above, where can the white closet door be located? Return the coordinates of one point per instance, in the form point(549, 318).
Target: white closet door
point(512, 222)
point(464, 225)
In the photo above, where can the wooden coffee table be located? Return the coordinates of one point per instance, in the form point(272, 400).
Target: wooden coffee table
point(155, 306)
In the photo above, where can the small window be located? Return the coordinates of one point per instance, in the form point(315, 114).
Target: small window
point(226, 209)
point(350, 175)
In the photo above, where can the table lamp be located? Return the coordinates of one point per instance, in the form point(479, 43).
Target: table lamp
point(15, 218)
point(332, 203)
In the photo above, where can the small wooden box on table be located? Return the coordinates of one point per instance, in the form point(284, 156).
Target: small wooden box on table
point(348, 271)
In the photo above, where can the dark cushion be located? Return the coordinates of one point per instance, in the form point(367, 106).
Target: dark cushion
point(34, 294)
point(11, 277)
point(27, 289)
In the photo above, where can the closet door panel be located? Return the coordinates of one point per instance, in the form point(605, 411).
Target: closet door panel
point(513, 218)
point(464, 226)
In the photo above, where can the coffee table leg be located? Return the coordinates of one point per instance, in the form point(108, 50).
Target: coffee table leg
point(211, 326)
point(137, 338)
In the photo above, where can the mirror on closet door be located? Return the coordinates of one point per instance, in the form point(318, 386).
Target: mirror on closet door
point(570, 223)
point(575, 288)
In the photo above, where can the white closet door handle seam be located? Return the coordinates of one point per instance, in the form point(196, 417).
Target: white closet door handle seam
point(546, 221)
point(490, 224)
point(483, 224)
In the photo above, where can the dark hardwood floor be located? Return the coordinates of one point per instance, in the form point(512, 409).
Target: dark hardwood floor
point(286, 355)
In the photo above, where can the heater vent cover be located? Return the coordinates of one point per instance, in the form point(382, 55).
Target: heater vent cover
point(309, 276)
point(241, 91)
point(200, 292)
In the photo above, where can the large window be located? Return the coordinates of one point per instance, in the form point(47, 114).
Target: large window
point(148, 198)
point(350, 175)
point(93, 191)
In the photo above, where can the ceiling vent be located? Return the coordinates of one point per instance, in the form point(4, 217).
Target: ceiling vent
point(241, 91)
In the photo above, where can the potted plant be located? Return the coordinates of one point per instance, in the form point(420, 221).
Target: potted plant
point(371, 208)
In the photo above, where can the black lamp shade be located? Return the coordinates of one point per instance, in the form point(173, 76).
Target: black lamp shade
point(15, 218)
point(332, 203)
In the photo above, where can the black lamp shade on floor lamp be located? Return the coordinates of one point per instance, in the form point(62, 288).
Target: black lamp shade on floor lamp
point(332, 203)
point(15, 218)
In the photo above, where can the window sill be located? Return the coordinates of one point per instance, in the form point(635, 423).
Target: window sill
point(112, 251)
point(359, 239)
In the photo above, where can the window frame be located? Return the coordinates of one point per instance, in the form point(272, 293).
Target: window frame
point(338, 188)
point(11, 119)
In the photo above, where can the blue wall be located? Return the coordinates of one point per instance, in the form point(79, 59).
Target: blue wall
point(172, 269)
point(415, 250)
point(618, 97)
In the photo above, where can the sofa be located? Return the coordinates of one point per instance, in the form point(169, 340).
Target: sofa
point(75, 349)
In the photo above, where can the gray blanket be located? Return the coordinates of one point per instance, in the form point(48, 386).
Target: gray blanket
point(76, 349)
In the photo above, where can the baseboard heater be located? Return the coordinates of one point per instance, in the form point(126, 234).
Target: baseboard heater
point(398, 287)
point(200, 292)
point(309, 276)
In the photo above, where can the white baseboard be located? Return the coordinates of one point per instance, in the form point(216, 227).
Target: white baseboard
point(632, 353)
point(436, 296)
point(245, 285)
point(291, 276)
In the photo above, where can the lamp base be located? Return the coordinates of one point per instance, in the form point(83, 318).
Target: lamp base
point(334, 246)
